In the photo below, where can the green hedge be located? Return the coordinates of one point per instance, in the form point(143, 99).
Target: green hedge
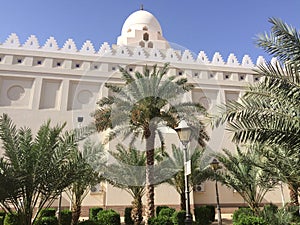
point(108, 217)
point(166, 212)
point(127, 216)
point(88, 222)
point(202, 215)
point(178, 217)
point(212, 212)
point(161, 220)
point(1, 220)
point(65, 217)
point(47, 212)
point(93, 213)
point(241, 212)
point(50, 220)
point(11, 219)
point(250, 220)
point(160, 207)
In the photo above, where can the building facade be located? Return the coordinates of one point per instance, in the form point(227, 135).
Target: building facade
point(38, 82)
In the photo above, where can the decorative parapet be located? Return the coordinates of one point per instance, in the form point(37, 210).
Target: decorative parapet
point(169, 55)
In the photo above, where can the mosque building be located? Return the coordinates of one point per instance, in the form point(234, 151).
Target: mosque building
point(42, 81)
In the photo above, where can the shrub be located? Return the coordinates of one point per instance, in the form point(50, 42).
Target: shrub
point(250, 220)
point(88, 222)
point(11, 219)
point(212, 214)
point(93, 213)
point(168, 212)
point(202, 215)
point(127, 216)
point(178, 217)
point(65, 217)
point(160, 220)
point(1, 220)
point(108, 217)
point(243, 211)
point(2, 213)
point(47, 212)
point(160, 207)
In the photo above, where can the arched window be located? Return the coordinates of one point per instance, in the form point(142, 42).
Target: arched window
point(145, 28)
point(142, 44)
point(150, 45)
point(146, 37)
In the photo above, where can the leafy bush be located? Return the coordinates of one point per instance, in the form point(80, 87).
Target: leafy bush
point(250, 220)
point(243, 211)
point(276, 216)
point(108, 217)
point(168, 212)
point(47, 212)
point(93, 213)
point(160, 220)
point(88, 222)
point(1, 220)
point(160, 207)
point(11, 219)
point(127, 216)
point(202, 215)
point(2, 213)
point(212, 214)
point(178, 217)
point(65, 217)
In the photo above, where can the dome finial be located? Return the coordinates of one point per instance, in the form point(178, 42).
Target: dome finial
point(142, 7)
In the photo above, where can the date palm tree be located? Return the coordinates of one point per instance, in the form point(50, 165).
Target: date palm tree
point(241, 173)
point(127, 173)
point(34, 170)
point(89, 159)
point(269, 112)
point(143, 104)
point(199, 171)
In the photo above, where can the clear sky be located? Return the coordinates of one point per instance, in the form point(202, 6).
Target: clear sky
point(226, 26)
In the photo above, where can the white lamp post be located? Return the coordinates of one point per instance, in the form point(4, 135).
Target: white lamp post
point(184, 134)
point(215, 166)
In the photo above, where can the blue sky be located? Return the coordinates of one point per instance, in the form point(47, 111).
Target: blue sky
point(209, 25)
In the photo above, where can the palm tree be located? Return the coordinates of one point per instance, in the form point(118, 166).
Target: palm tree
point(146, 102)
point(241, 173)
point(79, 189)
point(127, 173)
point(269, 112)
point(199, 171)
point(34, 171)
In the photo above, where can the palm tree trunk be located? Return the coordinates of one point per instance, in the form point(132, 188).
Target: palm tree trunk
point(76, 211)
point(182, 201)
point(150, 208)
point(137, 211)
point(293, 188)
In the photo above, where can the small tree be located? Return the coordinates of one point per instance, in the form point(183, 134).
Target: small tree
point(241, 173)
point(80, 187)
point(34, 171)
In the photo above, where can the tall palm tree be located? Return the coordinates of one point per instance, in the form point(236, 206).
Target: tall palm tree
point(79, 189)
point(34, 170)
point(199, 171)
point(269, 112)
point(241, 173)
point(146, 102)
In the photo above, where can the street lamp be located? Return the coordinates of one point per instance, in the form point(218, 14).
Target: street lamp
point(184, 133)
point(215, 166)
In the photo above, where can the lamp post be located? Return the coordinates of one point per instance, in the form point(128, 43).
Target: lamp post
point(184, 133)
point(215, 166)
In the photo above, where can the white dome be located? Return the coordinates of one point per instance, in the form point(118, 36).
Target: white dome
point(140, 20)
